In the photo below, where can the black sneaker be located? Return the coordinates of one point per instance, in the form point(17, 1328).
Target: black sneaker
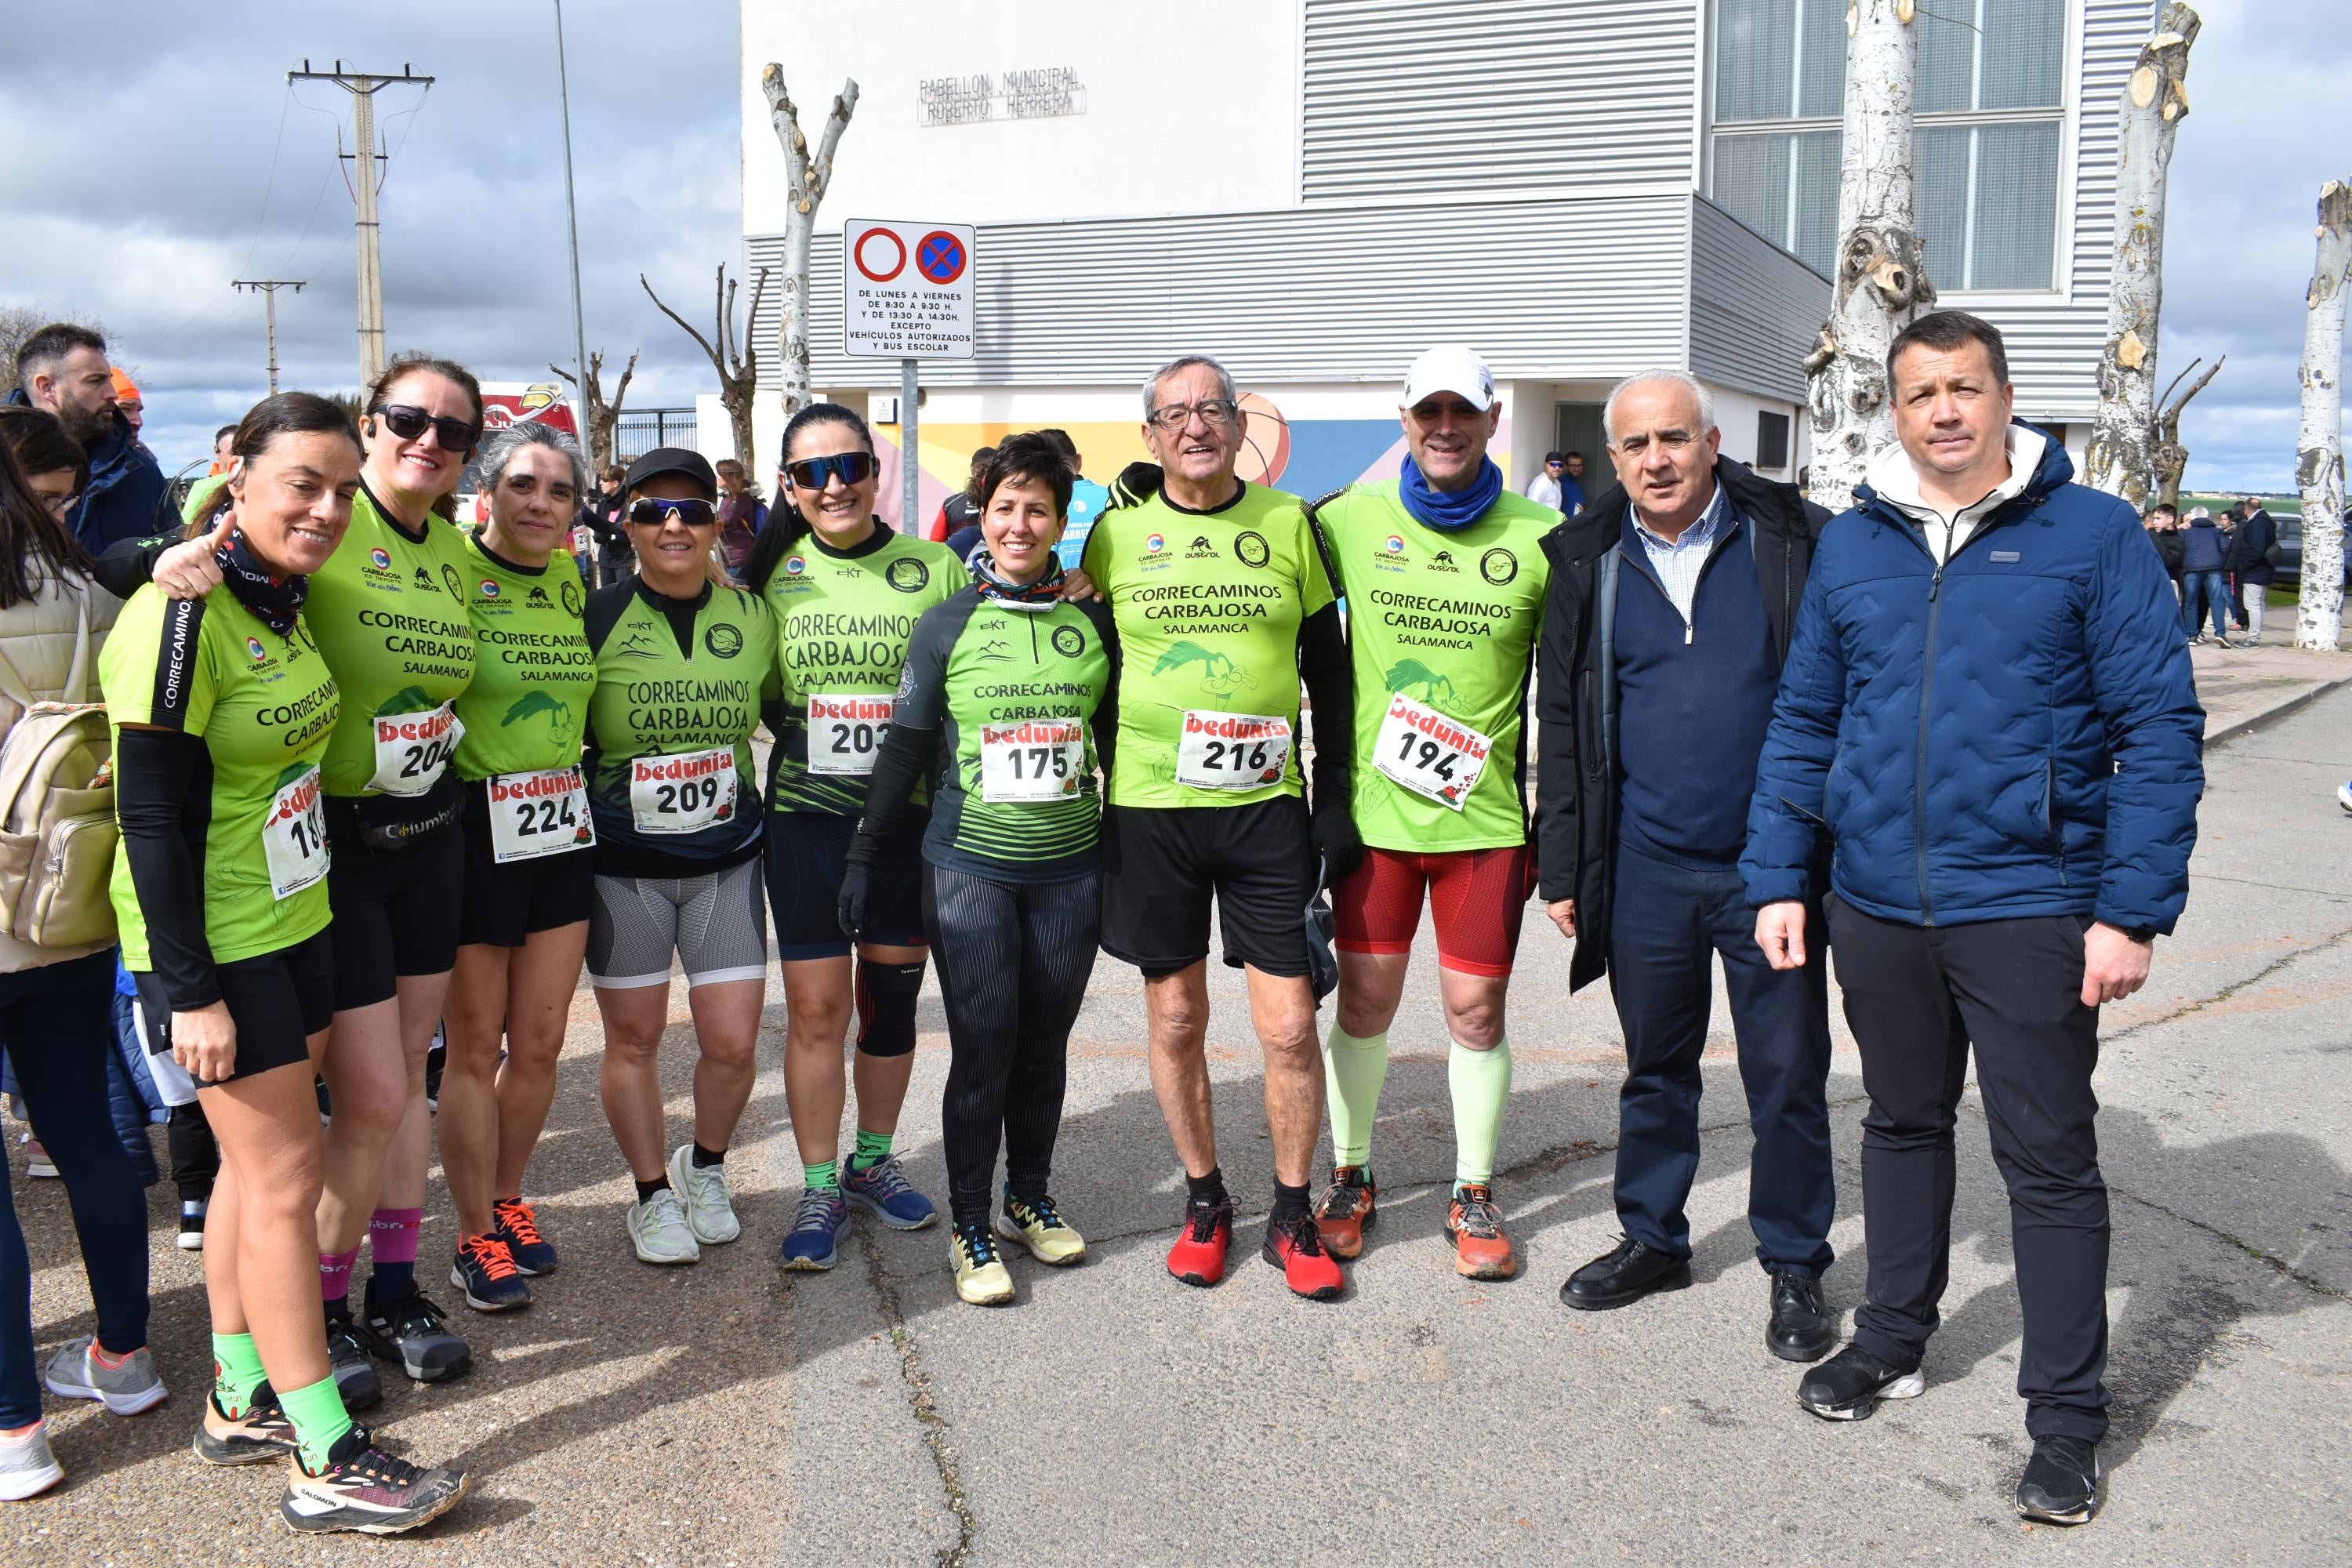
point(1848, 1385)
point(436, 1056)
point(192, 1223)
point(2060, 1485)
point(347, 1355)
point(263, 1432)
point(366, 1489)
point(411, 1331)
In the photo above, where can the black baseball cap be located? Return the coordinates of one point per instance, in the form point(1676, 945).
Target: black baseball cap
point(1554, 458)
point(673, 460)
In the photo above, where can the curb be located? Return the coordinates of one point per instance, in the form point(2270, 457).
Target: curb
point(2276, 711)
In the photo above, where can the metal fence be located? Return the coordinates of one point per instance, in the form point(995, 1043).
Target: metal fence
point(640, 430)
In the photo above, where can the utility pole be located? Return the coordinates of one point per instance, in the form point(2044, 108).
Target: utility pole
point(267, 289)
point(572, 219)
point(363, 85)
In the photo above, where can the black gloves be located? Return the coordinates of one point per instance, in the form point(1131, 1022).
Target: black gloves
point(856, 876)
point(1136, 483)
point(1336, 839)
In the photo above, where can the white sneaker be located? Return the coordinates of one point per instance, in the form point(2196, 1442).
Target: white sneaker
point(709, 1206)
point(75, 1373)
point(658, 1229)
point(28, 1468)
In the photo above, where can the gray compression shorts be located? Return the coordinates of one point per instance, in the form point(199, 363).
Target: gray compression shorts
point(715, 923)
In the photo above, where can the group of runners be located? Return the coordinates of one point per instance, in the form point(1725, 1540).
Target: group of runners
point(377, 775)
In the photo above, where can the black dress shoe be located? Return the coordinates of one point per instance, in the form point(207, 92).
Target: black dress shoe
point(1800, 1328)
point(1624, 1274)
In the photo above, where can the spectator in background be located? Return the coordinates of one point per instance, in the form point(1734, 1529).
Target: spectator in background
point(223, 439)
point(962, 509)
point(2163, 524)
point(2252, 560)
point(1088, 501)
point(62, 368)
point(1544, 488)
point(127, 399)
point(741, 513)
point(601, 514)
point(1571, 484)
point(2203, 550)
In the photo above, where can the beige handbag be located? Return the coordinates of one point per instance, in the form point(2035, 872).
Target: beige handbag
point(58, 833)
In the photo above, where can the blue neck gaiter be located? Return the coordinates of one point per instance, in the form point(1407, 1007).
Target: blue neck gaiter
point(1448, 512)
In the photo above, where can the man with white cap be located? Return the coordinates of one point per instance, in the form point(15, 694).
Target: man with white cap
point(1444, 577)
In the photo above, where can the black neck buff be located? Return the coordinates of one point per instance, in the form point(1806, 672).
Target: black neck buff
point(276, 600)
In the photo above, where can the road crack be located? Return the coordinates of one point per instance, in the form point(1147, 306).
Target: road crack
point(933, 1426)
point(2109, 1037)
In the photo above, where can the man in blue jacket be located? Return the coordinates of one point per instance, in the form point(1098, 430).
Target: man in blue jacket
point(1988, 707)
point(63, 368)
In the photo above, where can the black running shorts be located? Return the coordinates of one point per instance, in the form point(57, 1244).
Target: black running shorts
point(1161, 865)
point(805, 852)
point(277, 1000)
point(504, 904)
point(398, 911)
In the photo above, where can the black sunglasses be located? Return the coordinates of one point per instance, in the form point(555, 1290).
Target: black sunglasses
point(651, 513)
point(410, 424)
point(816, 473)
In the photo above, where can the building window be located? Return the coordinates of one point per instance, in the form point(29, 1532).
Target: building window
point(1771, 441)
point(1986, 125)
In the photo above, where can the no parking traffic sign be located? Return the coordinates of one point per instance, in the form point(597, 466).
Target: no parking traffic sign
point(905, 289)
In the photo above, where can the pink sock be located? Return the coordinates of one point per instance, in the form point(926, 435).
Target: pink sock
point(392, 1235)
point(335, 1275)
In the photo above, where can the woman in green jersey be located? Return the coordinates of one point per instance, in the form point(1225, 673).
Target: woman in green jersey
point(682, 665)
point(1008, 692)
point(224, 712)
point(529, 858)
point(846, 591)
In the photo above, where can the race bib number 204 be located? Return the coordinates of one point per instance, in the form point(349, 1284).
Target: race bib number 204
point(411, 749)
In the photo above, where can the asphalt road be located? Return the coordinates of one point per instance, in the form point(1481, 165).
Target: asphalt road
point(733, 1413)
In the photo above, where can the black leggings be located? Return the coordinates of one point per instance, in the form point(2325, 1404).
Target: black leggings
point(1014, 958)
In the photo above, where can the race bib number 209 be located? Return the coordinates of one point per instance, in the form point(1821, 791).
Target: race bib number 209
point(682, 794)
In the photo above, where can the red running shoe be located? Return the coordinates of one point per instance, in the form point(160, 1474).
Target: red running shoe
point(1199, 1256)
point(1296, 1247)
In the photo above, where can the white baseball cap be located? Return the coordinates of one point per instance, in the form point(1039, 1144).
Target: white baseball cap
point(1450, 369)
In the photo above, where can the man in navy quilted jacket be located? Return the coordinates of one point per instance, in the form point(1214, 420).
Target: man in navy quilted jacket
point(1988, 709)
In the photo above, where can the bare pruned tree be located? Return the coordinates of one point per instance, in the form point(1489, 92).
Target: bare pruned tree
point(738, 365)
point(2319, 443)
point(604, 417)
point(2169, 456)
point(808, 178)
point(19, 323)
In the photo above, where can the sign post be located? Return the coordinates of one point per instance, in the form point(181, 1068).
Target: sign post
point(907, 292)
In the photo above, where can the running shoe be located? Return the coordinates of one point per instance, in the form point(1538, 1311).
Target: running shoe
point(882, 1191)
point(514, 1222)
point(192, 1225)
point(485, 1271)
point(981, 1276)
point(36, 1158)
point(76, 1373)
point(1346, 1209)
point(1294, 1246)
point(28, 1468)
point(263, 1432)
point(658, 1229)
point(1040, 1227)
point(814, 1242)
point(2061, 1484)
point(410, 1330)
point(1481, 1251)
point(1848, 1385)
point(436, 1056)
point(2344, 795)
point(709, 1206)
point(354, 1369)
point(366, 1489)
point(326, 1102)
point(1199, 1256)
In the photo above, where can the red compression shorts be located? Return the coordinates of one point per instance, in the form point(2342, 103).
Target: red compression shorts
point(1476, 895)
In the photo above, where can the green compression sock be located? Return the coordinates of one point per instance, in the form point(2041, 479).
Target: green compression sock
point(822, 1178)
point(1353, 1071)
point(318, 1420)
point(872, 1148)
point(1481, 1081)
point(236, 1371)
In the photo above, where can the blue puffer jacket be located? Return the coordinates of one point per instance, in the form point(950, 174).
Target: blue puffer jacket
point(2013, 733)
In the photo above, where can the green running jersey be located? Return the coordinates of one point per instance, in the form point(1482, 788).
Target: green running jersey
point(841, 624)
point(528, 703)
point(1442, 634)
point(263, 706)
point(669, 727)
point(390, 612)
point(1014, 695)
point(1208, 606)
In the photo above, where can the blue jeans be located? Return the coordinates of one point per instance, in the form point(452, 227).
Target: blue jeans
point(2201, 592)
point(56, 1025)
point(1666, 925)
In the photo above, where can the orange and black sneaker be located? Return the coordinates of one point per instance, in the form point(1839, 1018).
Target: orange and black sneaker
point(261, 1432)
point(514, 1222)
point(1346, 1209)
point(1293, 1245)
point(1199, 1256)
point(1481, 1251)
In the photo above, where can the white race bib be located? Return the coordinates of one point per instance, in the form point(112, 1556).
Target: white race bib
point(411, 749)
point(539, 813)
point(845, 730)
point(1231, 751)
point(294, 836)
point(1429, 754)
point(1041, 759)
point(684, 793)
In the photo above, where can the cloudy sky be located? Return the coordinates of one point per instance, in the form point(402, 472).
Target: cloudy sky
point(173, 157)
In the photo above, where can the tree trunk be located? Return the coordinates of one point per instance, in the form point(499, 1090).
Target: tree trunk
point(2319, 445)
point(2169, 457)
point(807, 180)
point(1882, 275)
point(604, 418)
point(737, 368)
point(2156, 100)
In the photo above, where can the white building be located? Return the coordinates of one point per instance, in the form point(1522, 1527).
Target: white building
point(1316, 190)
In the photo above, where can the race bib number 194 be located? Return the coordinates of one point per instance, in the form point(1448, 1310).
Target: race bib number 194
point(1428, 753)
point(1231, 751)
point(682, 794)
